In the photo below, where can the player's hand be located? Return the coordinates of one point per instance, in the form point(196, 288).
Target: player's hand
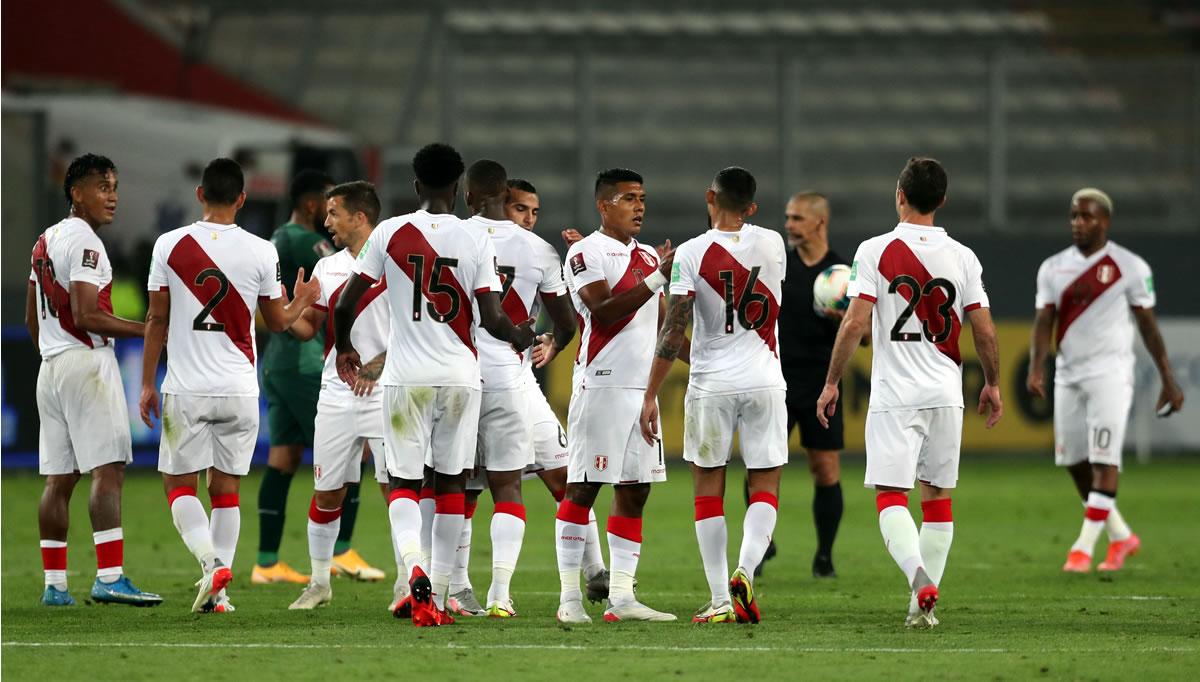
point(368, 376)
point(827, 404)
point(348, 364)
point(308, 292)
point(649, 419)
point(1035, 383)
point(525, 336)
point(1170, 399)
point(989, 397)
point(663, 248)
point(666, 258)
point(571, 236)
point(148, 405)
point(544, 351)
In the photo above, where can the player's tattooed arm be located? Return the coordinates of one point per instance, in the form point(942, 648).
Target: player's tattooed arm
point(1039, 349)
point(1170, 399)
point(988, 348)
point(672, 335)
point(368, 375)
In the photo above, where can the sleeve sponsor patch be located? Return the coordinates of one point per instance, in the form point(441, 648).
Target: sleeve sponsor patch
point(854, 271)
point(577, 264)
point(91, 258)
point(675, 276)
point(1150, 284)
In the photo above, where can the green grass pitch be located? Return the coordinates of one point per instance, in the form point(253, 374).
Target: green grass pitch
point(1007, 611)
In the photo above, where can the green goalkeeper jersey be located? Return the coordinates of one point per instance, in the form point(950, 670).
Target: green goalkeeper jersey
point(298, 248)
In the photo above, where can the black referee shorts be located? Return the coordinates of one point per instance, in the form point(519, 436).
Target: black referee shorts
point(803, 389)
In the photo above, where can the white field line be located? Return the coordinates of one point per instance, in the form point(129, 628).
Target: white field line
point(579, 647)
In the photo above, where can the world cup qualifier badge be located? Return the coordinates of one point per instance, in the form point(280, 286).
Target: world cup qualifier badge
point(91, 258)
point(577, 264)
point(601, 462)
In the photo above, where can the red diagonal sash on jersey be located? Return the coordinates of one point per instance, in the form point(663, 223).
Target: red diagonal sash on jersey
point(716, 260)
point(513, 306)
point(408, 241)
point(58, 299)
point(897, 260)
point(188, 260)
point(1084, 291)
point(640, 264)
point(372, 293)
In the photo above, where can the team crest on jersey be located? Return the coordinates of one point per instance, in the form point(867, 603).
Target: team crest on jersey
point(601, 462)
point(646, 257)
point(1105, 273)
point(577, 264)
point(91, 258)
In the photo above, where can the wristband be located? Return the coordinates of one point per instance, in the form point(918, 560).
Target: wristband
point(655, 281)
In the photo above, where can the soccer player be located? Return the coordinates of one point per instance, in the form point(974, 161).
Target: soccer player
point(1094, 291)
point(345, 422)
point(84, 424)
point(615, 283)
point(206, 281)
point(914, 285)
point(530, 277)
point(292, 371)
point(732, 276)
point(436, 270)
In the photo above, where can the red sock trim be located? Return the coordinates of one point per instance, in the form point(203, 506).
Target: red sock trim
point(891, 499)
point(1094, 514)
point(54, 558)
point(765, 497)
point(108, 554)
point(511, 508)
point(450, 503)
point(322, 516)
point(404, 493)
point(573, 513)
point(225, 501)
point(469, 509)
point(427, 494)
point(625, 527)
point(559, 495)
point(708, 506)
point(181, 491)
point(937, 511)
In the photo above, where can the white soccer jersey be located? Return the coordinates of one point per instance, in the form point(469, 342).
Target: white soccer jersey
point(528, 268)
point(922, 282)
point(617, 355)
point(434, 267)
point(737, 280)
point(215, 275)
point(372, 322)
point(69, 251)
point(1093, 297)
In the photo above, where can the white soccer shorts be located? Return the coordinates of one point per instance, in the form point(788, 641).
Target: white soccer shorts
point(81, 405)
point(199, 432)
point(606, 444)
point(905, 446)
point(1090, 419)
point(432, 426)
point(759, 417)
point(549, 437)
point(342, 426)
point(505, 431)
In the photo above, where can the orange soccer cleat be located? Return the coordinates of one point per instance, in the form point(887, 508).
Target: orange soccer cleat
point(1118, 551)
point(1078, 562)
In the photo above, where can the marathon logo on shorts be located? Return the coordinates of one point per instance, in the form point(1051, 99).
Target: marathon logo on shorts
point(91, 258)
point(601, 462)
point(603, 372)
point(317, 472)
point(1105, 273)
point(577, 264)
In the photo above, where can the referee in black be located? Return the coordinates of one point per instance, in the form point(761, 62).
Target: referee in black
point(806, 342)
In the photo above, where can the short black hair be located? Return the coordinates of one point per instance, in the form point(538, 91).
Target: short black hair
point(487, 178)
point(306, 182)
point(358, 196)
point(83, 166)
point(924, 183)
point(222, 181)
point(607, 181)
point(735, 188)
point(522, 184)
point(437, 165)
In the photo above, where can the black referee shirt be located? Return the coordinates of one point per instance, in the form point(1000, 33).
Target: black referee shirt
point(805, 338)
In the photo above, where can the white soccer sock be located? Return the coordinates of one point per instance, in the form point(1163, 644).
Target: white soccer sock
point(937, 533)
point(404, 515)
point(570, 526)
point(323, 528)
point(1115, 525)
point(192, 524)
point(713, 538)
point(447, 530)
point(624, 550)
point(593, 559)
point(428, 503)
point(460, 578)
point(757, 528)
point(54, 562)
point(396, 554)
point(900, 533)
point(225, 524)
point(1097, 512)
point(508, 534)
point(110, 550)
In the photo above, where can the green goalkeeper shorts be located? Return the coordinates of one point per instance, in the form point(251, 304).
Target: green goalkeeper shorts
point(291, 406)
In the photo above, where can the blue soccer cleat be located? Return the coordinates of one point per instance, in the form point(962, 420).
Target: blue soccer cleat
point(56, 597)
point(123, 592)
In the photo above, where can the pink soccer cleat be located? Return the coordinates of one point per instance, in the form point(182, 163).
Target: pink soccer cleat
point(1078, 562)
point(1118, 551)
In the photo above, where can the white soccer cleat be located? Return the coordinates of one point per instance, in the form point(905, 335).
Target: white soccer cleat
point(314, 595)
point(636, 610)
point(464, 603)
point(720, 613)
point(399, 592)
point(209, 586)
point(220, 604)
point(918, 619)
point(572, 613)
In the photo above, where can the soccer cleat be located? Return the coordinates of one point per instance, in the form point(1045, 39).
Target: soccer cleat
point(572, 613)
point(123, 592)
point(428, 615)
point(501, 609)
point(1118, 551)
point(219, 604)
point(920, 620)
point(635, 610)
point(464, 603)
point(597, 586)
point(211, 584)
point(721, 613)
point(278, 572)
point(351, 564)
point(314, 595)
point(927, 597)
point(1078, 562)
point(403, 608)
point(399, 596)
point(822, 566)
point(741, 588)
point(767, 556)
point(56, 597)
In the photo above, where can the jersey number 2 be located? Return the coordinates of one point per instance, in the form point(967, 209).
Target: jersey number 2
point(200, 324)
point(917, 293)
point(742, 304)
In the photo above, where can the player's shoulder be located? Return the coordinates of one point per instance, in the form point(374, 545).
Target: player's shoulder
point(1123, 255)
point(338, 259)
point(766, 233)
point(167, 240)
point(74, 230)
point(590, 243)
point(696, 246)
point(965, 252)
